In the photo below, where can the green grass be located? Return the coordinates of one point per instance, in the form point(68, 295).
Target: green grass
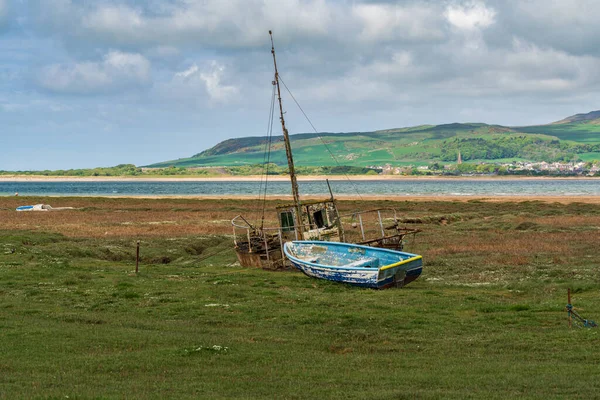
point(75, 320)
point(577, 131)
point(590, 156)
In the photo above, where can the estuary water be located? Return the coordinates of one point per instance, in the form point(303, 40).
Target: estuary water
point(429, 187)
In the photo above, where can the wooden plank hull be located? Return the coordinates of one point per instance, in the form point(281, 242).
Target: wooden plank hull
point(354, 264)
point(266, 259)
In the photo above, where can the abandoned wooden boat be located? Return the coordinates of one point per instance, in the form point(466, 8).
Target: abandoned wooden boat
point(355, 264)
point(261, 246)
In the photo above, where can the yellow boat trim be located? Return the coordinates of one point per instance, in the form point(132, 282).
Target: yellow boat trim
point(400, 263)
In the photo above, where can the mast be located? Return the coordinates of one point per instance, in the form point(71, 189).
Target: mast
point(288, 147)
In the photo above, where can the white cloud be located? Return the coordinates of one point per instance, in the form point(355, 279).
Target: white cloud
point(118, 70)
point(391, 21)
point(188, 72)
point(191, 82)
point(216, 90)
point(470, 15)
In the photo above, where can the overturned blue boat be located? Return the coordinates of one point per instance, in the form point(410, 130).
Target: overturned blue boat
point(354, 264)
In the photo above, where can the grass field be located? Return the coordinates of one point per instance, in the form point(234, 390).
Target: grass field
point(485, 320)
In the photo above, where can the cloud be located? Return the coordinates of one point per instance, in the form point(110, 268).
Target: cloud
point(187, 73)
point(348, 52)
point(354, 55)
point(470, 15)
point(233, 24)
point(393, 22)
point(570, 26)
point(117, 71)
point(189, 83)
point(523, 70)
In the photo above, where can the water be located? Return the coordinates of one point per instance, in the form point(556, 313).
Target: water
point(429, 187)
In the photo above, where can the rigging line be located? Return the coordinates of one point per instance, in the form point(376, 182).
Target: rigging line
point(266, 159)
point(267, 144)
point(267, 149)
point(269, 141)
point(213, 254)
point(257, 204)
point(320, 138)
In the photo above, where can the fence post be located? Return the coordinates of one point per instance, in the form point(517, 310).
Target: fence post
point(137, 257)
point(569, 306)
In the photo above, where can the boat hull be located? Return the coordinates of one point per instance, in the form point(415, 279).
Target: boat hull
point(265, 259)
point(404, 271)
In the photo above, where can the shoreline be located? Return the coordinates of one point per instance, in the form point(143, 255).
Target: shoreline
point(372, 197)
point(278, 178)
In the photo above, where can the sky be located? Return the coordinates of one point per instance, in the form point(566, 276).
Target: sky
point(87, 84)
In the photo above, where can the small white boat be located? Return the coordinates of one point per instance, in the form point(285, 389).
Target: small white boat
point(355, 264)
point(36, 207)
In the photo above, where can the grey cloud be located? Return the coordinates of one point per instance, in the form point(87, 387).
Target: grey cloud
point(570, 26)
point(352, 54)
point(116, 72)
point(233, 24)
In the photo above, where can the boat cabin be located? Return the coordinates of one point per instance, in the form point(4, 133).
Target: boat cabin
point(320, 221)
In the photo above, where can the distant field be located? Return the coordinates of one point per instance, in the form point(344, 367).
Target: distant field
point(485, 320)
point(578, 132)
point(590, 156)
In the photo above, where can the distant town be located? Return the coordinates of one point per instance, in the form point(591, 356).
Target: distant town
point(521, 168)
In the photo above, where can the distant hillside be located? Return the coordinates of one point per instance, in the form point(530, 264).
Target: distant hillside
point(591, 117)
point(575, 137)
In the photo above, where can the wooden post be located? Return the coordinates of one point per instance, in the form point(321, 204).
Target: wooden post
point(266, 248)
point(137, 257)
point(569, 306)
point(249, 240)
point(337, 214)
point(281, 245)
point(362, 229)
point(381, 224)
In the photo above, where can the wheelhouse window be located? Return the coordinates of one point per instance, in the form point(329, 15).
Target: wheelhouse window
point(319, 217)
point(286, 219)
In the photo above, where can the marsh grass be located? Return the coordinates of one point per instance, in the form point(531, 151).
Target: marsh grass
point(485, 320)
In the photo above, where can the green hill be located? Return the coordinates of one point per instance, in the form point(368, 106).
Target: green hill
point(575, 137)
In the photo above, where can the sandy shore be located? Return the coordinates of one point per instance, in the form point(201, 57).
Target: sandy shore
point(256, 178)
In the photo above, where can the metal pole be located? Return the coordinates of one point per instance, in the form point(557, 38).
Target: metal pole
point(381, 224)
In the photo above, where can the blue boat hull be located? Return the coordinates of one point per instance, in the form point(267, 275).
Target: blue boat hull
point(357, 265)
